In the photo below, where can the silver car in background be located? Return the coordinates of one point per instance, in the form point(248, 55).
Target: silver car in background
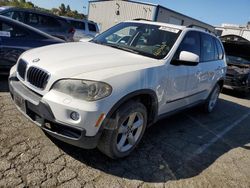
point(84, 29)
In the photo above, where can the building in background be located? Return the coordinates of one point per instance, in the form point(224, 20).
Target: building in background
point(232, 29)
point(110, 12)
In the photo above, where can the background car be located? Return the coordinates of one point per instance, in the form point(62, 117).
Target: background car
point(83, 28)
point(15, 38)
point(49, 23)
point(238, 59)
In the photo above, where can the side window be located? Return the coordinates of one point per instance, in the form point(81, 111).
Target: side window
point(190, 43)
point(8, 14)
point(7, 30)
point(92, 27)
point(216, 52)
point(78, 25)
point(19, 16)
point(32, 19)
point(207, 48)
point(220, 49)
point(16, 15)
point(48, 21)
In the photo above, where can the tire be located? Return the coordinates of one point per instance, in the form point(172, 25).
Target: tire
point(130, 122)
point(212, 99)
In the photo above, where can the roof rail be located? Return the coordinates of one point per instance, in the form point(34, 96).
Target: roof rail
point(199, 27)
point(142, 19)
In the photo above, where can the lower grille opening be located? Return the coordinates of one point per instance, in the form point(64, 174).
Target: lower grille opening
point(63, 130)
point(54, 127)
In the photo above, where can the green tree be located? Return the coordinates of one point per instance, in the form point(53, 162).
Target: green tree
point(68, 9)
point(62, 9)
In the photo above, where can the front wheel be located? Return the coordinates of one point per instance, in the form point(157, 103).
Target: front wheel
point(212, 99)
point(130, 123)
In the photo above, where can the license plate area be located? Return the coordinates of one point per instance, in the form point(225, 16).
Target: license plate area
point(20, 102)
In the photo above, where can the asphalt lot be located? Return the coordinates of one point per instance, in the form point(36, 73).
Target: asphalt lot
point(190, 149)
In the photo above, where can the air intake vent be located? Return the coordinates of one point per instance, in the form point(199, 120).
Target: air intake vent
point(37, 77)
point(21, 68)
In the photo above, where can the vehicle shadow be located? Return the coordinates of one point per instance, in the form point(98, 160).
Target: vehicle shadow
point(4, 84)
point(235, 93)
point(177, 147)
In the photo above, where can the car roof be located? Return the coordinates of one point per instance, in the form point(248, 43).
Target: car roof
point(78, 20)
point(20, 24)
point(9, 8)
point(157, 23)
point(5, 7)
point(179, 27)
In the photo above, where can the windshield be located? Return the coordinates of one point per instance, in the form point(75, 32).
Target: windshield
point(144, 39)
point(237, 60)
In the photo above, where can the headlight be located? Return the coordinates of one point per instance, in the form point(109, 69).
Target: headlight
point(83, 89)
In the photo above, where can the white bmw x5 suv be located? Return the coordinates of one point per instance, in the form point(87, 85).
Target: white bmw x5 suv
point(104, 93)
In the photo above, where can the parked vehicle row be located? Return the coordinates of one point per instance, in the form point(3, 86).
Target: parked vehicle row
point(238, 60)
point(15, 38)
point(106, 92)
point(48, 23)
point(18, 34)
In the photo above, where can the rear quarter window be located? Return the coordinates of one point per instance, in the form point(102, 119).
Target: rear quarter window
point(48, 21)
point(92, 27)
point(78, 25)
point(32, 19)
point(220, 49)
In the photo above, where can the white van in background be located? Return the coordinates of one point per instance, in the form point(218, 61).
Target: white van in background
point(84, 29)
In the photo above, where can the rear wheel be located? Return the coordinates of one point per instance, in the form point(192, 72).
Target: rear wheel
point(130, 122)
point(212, 99)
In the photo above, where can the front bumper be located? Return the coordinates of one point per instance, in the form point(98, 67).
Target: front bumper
point(41, 114)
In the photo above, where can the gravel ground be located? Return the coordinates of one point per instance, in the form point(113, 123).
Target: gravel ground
point(190, 149)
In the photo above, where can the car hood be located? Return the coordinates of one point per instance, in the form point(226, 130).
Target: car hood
point(72, 59)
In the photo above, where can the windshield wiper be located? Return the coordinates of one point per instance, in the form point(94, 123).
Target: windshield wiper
point(125, 49)
point(121, 48)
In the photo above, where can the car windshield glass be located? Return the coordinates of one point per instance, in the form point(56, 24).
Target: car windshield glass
point(236, 60)
point(140, 38)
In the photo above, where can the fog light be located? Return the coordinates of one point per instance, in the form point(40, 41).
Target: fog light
point(75, 116)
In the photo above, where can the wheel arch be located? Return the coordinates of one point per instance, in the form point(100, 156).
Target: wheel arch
point(146, 96)
point(221, 83)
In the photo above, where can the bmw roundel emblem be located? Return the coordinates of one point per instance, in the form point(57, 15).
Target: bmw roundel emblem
point(36, 60)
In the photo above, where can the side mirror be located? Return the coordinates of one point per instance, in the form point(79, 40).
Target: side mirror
point(186, 58)
point(85, 39)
